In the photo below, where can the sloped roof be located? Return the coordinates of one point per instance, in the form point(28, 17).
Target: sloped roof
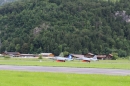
point(27, 54)
point(101, 56)
point(110, 55)
point(90, 53)
point(77, 55)
point(12, 53)
point(46, 54)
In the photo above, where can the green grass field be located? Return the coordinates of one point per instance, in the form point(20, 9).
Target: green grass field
point(13, 78)
point(23, 78)
point(115, 64)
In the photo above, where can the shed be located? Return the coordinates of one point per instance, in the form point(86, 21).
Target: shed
point(47, 54)
point(77, 55)
point(101, 57)
point(89, 55)
point(28, 55)
point(105, 57)
point(109, 56)
point(13, 54)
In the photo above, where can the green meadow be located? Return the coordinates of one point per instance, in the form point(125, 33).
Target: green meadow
point(24, 78)
point(13, 78)
point(114, 64)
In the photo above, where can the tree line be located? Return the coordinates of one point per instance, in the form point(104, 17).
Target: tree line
point(73, 26)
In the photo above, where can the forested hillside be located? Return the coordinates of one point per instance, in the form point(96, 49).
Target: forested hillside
point(74, 26)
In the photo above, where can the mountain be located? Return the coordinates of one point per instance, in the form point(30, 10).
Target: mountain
point(74, 26)
point(5, 1)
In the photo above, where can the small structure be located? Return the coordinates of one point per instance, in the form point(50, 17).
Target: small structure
point(77, 55)
point(12, 54)
point(28, 55)
point(101, 57)
point(104, 57)
point(89, 55)
point(47, 54)
point(109, 56)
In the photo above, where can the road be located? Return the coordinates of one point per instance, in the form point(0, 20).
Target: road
point(66, 70)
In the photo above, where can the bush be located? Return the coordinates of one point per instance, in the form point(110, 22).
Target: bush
point(6, 57)
point(40, 57)
point(115, 56)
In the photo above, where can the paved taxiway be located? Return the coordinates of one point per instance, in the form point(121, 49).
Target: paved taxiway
point(66, 70)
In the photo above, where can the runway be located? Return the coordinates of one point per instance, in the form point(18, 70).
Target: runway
point(66, 70)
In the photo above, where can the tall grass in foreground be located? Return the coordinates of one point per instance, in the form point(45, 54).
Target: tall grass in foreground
point(13, 78)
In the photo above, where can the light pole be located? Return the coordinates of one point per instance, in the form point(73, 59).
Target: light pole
point(0, 45)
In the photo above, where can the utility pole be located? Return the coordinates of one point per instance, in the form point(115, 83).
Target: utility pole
point(0, 45)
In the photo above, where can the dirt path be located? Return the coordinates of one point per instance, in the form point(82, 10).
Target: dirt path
point(67, 70)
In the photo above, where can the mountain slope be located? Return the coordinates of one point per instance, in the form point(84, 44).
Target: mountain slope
point(75, 26)
point(5, 1)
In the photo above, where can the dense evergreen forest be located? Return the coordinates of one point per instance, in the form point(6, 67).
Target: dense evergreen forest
point(73, 26)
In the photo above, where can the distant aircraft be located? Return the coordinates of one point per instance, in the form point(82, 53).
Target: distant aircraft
point(86, 59)
point(63, 59)
point(69, 58)
point(94, 58)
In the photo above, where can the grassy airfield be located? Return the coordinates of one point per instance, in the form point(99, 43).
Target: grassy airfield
point(22, 78)
point(114, 64)
point(13, 78)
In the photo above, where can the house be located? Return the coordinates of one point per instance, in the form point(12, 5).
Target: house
point(89, 55)
point(28, 55)
point(104, 57)
point(47, 54)
point(109, 56)
point(101, 57)
point(77, 55)
point(12, 54)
